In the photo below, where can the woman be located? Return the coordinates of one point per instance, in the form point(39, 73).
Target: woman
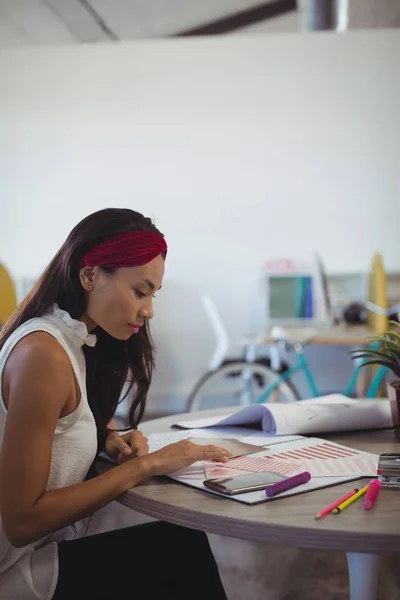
point(65, 354)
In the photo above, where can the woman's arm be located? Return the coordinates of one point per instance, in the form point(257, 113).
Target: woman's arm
point(125, 446)
point(37, 385)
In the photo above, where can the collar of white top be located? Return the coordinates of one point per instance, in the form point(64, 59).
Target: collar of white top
point(75, 330)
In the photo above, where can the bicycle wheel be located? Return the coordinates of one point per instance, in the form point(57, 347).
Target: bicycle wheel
point(226, 386)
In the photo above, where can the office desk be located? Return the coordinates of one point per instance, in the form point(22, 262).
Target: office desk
point(336, 335)
point(354, 336)
point(363, 535)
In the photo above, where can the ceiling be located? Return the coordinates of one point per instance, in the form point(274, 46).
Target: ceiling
point(35, 22)
point(38, 22)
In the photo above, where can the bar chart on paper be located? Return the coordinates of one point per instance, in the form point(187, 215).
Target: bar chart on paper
point(320, 458)
point(327, 459)
point(244, 464)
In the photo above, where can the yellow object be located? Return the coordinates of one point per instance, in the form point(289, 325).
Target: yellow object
point(377, 295)
point(378, 324)
point(349, 501)
point(8, 297)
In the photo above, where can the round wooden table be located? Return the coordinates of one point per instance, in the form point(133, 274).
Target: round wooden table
point(363, 535)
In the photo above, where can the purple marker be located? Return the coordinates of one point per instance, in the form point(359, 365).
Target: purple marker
point(287, 484)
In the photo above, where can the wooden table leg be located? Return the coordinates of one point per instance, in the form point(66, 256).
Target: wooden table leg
point(363, 575)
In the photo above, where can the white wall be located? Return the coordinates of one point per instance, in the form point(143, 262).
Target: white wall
point(242, 149)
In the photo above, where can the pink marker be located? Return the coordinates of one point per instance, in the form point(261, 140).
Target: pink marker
point(371, 494)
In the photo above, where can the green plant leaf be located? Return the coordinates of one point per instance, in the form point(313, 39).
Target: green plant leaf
point(396, 371)
point(373, 361)
point(365, 349)
point(384, 350)
point(371, 353)
point(395, 335)
point(378, 351)
point(381, 359)
point(387, 344)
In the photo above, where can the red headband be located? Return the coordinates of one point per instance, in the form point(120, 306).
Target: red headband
point(132, 249)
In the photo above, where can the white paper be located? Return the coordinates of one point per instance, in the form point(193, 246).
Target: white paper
point(160, 440)
point(357, 463)
point(222, 432)
point(192, 476)
point(320, 415)
point(202, 423)
point(251, 415)
point(260, 439)
point(310, 417)
point(242, 434)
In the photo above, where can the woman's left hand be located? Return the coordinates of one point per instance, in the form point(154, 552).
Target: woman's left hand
point(126, 446)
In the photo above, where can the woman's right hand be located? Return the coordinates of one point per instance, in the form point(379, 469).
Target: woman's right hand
point(182, 454)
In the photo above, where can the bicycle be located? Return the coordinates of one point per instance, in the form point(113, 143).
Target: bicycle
point(252, 380)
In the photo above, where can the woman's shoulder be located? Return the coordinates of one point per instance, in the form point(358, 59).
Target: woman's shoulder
point(40, 352)
point(36, 366)
point(41, 346)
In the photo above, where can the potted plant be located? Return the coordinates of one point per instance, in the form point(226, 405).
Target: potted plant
point(386, 352)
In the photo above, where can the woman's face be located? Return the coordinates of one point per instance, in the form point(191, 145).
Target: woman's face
point(120, 302)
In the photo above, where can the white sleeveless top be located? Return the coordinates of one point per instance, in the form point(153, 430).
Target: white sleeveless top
point(31, 572)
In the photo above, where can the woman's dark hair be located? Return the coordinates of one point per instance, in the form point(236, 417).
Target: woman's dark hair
point(111, 362)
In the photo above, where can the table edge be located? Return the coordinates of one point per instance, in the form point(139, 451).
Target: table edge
point(277, 533)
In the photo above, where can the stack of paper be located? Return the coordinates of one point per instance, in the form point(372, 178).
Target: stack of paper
point(306, 417)
point(328, 463)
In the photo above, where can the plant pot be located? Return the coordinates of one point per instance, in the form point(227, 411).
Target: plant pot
point(394, 398)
